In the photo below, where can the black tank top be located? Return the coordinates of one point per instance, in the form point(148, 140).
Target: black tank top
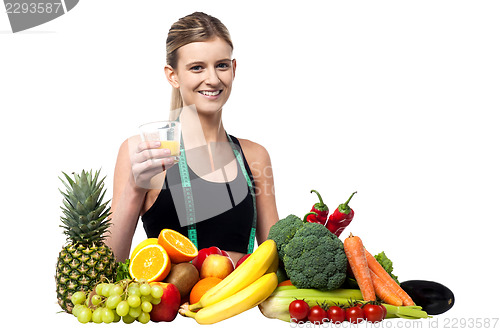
point(225, 209)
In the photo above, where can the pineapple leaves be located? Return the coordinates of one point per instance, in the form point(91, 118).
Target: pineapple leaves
point(85, 216)
point(80, 208)
point(83, 187)
point(92, 200)
point(70, 181)
point(98, 213)
point(94, 180)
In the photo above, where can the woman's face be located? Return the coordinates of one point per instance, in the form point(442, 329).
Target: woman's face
point(204, 74)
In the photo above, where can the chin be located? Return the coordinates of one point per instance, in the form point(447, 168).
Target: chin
point(208, 111)
point(209, 108)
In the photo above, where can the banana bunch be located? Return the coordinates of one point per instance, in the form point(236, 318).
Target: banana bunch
point(246, 287)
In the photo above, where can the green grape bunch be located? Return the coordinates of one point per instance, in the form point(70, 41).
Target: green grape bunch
point(126, 300)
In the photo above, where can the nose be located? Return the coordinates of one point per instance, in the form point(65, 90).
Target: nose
point(212, 77)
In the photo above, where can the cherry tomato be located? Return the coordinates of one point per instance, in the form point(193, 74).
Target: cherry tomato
point(317, 315)
point(299, 309)
point(354, 315)
point(336, 314)
point(373, 313)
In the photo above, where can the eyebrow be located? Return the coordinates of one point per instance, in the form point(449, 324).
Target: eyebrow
point(198, 62)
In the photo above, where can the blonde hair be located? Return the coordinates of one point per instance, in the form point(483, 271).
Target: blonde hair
point(195, 27)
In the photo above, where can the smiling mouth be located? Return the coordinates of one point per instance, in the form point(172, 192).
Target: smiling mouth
point(210, 93)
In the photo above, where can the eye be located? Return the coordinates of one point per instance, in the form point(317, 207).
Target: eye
point(223, 65)
point(196, 68)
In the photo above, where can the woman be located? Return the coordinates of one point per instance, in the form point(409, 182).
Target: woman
point(147, 181)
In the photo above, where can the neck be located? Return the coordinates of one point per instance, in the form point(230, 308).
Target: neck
point(201, 129)
point(212, 127)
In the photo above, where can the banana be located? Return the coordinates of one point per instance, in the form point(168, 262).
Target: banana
point(245, 299)
point(274, 264)
point(258, 263)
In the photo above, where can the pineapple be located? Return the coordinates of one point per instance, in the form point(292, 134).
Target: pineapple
point(85, 260)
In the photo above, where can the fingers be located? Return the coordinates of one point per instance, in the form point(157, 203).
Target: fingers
point(145, 171)
point(149, 150)
point(153, 165)
point(148, 161)
point(148, 145)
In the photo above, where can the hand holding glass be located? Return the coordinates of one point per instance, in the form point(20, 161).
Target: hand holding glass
point(168, 133)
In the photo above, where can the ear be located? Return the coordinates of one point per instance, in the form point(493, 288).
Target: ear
point(234, 67)
point(172, 77)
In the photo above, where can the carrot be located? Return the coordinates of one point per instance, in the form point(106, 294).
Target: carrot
point(384, 291)
point(382, 274)
point(355, 253)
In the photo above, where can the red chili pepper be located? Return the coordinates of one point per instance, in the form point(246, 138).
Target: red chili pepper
point(340, 218)
point(321, 210)
point(311, 217)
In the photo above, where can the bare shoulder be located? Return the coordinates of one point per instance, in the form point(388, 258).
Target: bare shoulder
point(256, 154)
point(131, 142)
point(128, 146)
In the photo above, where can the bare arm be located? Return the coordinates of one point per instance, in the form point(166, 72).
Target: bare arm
point(132, 179)
point(260, 164)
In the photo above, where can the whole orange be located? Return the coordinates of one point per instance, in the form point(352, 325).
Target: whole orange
point(201, 287)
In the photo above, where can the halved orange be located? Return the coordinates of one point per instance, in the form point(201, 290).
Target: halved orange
point(151, 263)
point(151, 240)
point(179, 248)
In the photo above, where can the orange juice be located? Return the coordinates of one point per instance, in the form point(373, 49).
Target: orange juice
point(173, 146)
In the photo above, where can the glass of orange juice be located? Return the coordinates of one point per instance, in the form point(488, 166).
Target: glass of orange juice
point(167, 132)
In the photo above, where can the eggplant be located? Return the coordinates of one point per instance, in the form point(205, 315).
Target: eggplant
point(433, 297)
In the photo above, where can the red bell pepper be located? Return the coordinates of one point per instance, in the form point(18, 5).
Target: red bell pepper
point(321, 210)
point(340, 218)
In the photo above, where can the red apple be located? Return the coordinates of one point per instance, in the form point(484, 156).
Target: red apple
point(204, 253)
point(242, 259)
point(216, 266)
point(166, 310)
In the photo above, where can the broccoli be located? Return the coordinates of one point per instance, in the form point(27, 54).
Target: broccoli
point(315, 258)
point(283, 231)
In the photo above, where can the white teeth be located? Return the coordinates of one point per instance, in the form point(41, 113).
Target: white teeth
point(210, 93)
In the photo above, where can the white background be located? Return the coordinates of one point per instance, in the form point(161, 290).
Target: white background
point(394, 99)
